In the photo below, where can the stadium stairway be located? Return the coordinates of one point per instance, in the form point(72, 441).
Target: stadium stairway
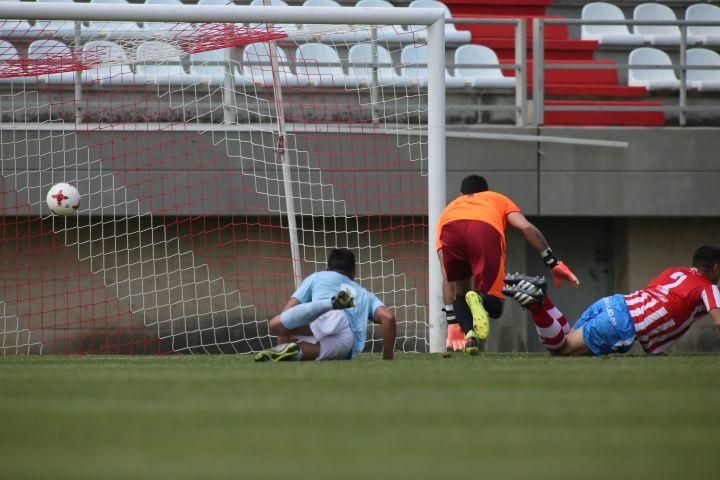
point(566, 86)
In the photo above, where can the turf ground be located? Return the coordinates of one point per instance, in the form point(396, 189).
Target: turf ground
point(418, 417)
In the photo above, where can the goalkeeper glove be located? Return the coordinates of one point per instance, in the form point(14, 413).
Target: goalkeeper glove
point(558, 270)
point(561, 273)
point(455, 339)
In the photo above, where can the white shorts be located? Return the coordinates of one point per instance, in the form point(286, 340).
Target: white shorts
point(332, 331)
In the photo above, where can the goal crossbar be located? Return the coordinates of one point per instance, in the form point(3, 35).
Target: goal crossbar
point(217, 13)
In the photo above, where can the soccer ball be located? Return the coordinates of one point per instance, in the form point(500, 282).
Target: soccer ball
point(63, 199)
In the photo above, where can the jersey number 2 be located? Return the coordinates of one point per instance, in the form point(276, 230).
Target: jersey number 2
point(679, 278)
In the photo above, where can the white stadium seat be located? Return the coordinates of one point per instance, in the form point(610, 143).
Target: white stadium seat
point(208, 67)
point(417, 74)
point(707, 35)
point(360, 58)
point(55, 53)
point(175, 27)
point(345, 36)
point(320, 65)
point(118, 74)
point(481, 77)
point(452, 34)
point(321, 3)
point(286, 27)
point(657, 34)
point(59, 28)
point(703, 79)
point(215, 2)
point(256, 66)
point(17, 28)
point(387, 33)
point(113, 29)
point(607, 34)
point(8, 56)
point(169, 71)
point(652, 79)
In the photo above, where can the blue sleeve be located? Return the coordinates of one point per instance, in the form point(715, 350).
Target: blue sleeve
point(375, 303)
point(304, 293)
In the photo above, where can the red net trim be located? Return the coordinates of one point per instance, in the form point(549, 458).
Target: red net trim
point(58, 57)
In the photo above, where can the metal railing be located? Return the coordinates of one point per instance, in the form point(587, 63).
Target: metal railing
point(521, 105)
point(539, 67)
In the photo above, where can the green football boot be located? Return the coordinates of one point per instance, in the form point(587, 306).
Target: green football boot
point(481, 321)
point(280, 353)
point(472, 343)
point(342, 300)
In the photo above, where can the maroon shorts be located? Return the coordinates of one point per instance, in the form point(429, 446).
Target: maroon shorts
point(474, 249)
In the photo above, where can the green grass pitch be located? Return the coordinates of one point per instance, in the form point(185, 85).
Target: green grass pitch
point(419, 417)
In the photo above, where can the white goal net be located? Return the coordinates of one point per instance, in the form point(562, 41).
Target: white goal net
point(218, 164)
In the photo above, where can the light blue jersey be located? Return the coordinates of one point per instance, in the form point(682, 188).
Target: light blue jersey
point(325, 285)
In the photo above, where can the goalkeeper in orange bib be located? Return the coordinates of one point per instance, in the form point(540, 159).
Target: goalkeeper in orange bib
point(471, 247)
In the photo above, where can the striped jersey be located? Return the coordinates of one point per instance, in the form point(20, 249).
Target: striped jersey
point(664, 310)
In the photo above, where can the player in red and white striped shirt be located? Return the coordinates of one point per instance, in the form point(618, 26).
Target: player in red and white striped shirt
point(656, 315)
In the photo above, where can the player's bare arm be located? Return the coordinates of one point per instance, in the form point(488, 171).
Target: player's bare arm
point(559, 271)
point(385, 317)
point(531, 233)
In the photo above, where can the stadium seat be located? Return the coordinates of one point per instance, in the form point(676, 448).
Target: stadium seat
point(655, 79)
point(256, 66)
point(209, 67)
point(321, 3)
point(452, 35)
point(215, 2)
point(9, 66)
point(480, 77)
point(657, 34)
point(177, 28)
point(58, 28)
point(387, 33)
point(703, 79)
point(707, 35)
point(287, 27)
point(119, 73)
point(17, 28)
point(343, 36)
point(414, 70)
point(360, 58)
point(320, 65)
point(169, 71)
point(111, 29)
point(55, 55)
point(607, 34)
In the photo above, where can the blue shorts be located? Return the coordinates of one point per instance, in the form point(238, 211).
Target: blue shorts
point(607, 326)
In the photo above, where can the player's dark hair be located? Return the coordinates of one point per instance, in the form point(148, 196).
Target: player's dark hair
point(473, 184)
point(342, 260)
point(706, 256)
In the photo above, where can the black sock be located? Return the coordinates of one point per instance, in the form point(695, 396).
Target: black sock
point(462, 314)
point(493, 305)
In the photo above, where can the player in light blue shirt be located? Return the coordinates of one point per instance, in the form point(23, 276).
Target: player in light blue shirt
point(326, 318)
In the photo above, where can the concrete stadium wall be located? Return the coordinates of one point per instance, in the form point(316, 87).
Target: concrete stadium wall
point(663, 172)
point(618, 216)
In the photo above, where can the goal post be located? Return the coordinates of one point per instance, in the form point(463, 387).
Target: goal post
point(221, 152)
